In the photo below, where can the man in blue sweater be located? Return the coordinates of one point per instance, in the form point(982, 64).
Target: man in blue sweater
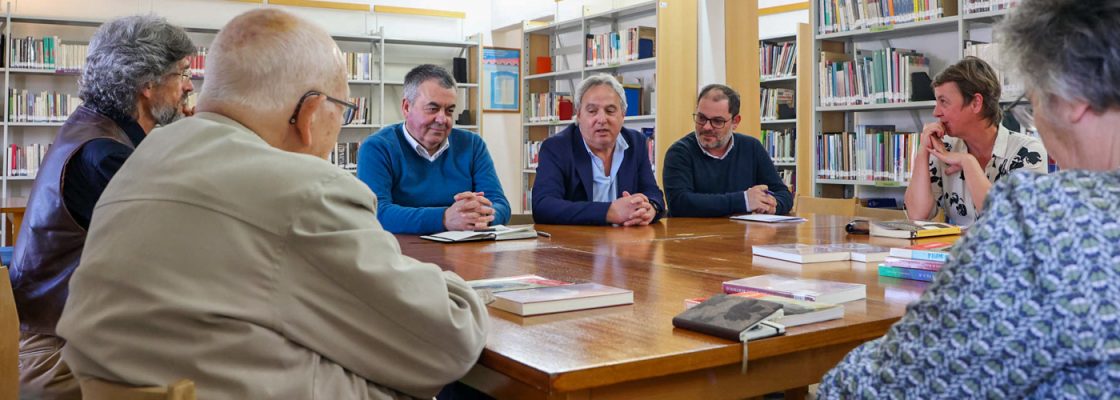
point(714, 172)
point(429, 177)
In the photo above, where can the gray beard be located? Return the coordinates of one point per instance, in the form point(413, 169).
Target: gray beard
point(166, 114)
point(718, 145)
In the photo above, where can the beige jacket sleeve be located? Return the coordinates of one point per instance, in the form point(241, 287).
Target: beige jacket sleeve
point(348, 294)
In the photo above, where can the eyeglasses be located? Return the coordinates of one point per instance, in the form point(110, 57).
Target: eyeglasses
point(349, 110)
point(702, 120)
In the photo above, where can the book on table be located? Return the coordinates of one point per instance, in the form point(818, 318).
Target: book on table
point(815, 253)
point(912, 229)
point(496, 232)
point(936, 251)
point(911, 263)
point(728, 317)
point(519, 282)
point(768, 218)
point(795, 312)
point(906, 273)
point(799, 288)
point(554, 299)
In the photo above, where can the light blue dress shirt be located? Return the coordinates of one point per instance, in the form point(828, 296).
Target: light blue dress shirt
point(605, 188)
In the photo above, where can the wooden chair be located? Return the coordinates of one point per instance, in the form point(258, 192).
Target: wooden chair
point(97, 389)
point(818, 205)
point(9, 339)
point(882, 214)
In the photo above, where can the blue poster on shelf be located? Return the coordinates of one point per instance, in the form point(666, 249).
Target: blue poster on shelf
point(501, 76)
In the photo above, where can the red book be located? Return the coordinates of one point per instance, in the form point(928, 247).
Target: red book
point(544, 65)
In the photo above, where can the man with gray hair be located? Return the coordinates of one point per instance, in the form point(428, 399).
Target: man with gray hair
point(135, 78)
point(238, 257)
point(428, 176)
point(595, 171)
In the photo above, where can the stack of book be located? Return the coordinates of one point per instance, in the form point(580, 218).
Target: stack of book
point(798, 288)
point(527, 295)
point(919, 262)
point(814, 253)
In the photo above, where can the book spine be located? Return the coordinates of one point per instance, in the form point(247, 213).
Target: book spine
point(929, 255)
point(906, 273)
point(731, 288)
point(914, 264)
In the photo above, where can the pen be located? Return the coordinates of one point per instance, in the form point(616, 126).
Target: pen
point(544, 234)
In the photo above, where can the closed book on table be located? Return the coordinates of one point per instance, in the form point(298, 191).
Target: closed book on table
point(813, 253)
point(519, 282)
point(799, 288)
point(547, 300)
point(906, 273)
point(937, 251)
point(496, 232)
point(727, 317)
point(912, 229)
point(913, 263)
point(794, 312)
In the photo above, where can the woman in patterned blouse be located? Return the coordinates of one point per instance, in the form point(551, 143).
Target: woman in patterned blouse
point(961, 155)
point(1029, 306)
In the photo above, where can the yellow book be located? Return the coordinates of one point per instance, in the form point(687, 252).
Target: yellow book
point(912, 229)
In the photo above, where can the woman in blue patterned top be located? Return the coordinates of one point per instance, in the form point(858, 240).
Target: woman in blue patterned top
point(1030, 304)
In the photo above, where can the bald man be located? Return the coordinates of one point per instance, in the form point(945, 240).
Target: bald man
point(238, 257)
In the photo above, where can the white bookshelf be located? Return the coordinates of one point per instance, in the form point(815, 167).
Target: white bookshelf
point(565, 45)
point(941, 39)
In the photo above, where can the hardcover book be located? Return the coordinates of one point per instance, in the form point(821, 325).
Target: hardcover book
point(912, 229)
point(562, 298)
point(937, 251)
point(727, 317)
point(519, 282)
point(913, 264)
point(906, 273)
point(496, 232)
point(795, 312)
point(799, 288)
point(809, 253)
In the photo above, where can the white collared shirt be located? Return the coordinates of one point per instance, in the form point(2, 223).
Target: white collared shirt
point(1012, 150)
point(420, 148)
point(605, 188)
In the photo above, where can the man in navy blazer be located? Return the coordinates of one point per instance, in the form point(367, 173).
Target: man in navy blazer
point(595, 172)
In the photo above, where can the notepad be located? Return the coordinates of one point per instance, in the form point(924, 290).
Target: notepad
point(768, 218)
point(496, 232)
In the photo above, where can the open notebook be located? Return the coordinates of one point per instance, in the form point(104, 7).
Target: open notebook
point(496, 232)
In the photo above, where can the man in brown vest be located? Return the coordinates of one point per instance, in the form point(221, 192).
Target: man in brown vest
point(136, 77)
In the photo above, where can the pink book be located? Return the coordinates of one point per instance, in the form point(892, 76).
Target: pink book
point(799, 288)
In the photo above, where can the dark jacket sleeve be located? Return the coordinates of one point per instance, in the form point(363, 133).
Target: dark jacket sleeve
point(681, 189)
point(554, 174)
point(647, 182)
point(766, 174)
point(87, 175)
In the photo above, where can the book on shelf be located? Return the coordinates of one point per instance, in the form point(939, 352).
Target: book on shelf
point(611, 48)
point(842, 16)
point(543, 65)
point(906, 273)
point(360, 66)
point(496, 232)
point(768, 218)
point(873, 77)
point(519, 282)
point(554, 299)
point(781, 144)
point(814, 253)
point(532, 153)
point(795, 312)
point(777, 60)
point(874, 153)
point(799, 288)
point(980, 6)
point(550, 107)
point(727, 317)
point(24, 161)
point(46, 106)
point(936, 251)
point(912, 229)
point(47, 53)
point(789, 178)
point(345, 155)
point(198, 63)
point(777, 103)
point(990, 53)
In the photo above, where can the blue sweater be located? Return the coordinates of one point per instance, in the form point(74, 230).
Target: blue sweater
point(413, 193)
point(700, 186)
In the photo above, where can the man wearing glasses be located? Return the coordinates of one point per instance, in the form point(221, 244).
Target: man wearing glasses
point(229, 251)
point(136, 77)
point(715, 172)
point(428, 176)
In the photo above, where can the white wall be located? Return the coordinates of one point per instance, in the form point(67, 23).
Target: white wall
point(711, 45)
point(784, 24)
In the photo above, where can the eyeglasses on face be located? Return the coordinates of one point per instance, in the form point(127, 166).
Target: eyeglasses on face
point(701, 120)
point(349, 110)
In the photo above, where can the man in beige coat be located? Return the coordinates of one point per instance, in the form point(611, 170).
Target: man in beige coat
point(228, 251)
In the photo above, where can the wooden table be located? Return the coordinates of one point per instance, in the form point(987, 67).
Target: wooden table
point(632, 352)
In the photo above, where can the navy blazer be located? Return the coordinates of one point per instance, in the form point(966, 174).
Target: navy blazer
point(563, 188)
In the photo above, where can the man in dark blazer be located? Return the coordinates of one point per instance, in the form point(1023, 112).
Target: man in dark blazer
point(595, 172)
